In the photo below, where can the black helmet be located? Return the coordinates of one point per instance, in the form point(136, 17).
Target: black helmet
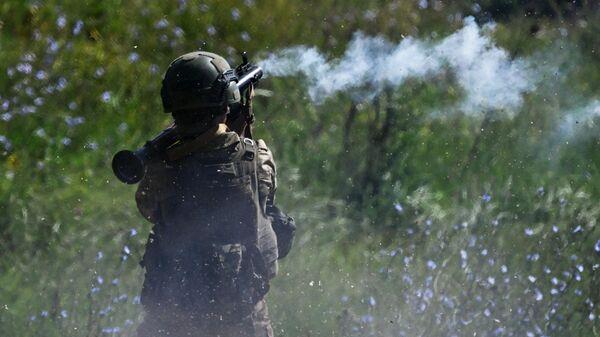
point(199, 80)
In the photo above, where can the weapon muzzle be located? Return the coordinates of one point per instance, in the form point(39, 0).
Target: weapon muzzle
point(252, 76)
point(129, 166)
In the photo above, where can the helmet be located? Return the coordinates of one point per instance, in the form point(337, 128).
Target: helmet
point(198, 80)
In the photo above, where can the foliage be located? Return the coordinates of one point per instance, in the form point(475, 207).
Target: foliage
point(396, 206)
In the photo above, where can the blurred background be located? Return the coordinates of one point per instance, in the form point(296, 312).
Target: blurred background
point(417, 216)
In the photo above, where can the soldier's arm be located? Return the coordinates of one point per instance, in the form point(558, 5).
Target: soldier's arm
point(145, 198)
point(267, 175)
point(283, 225)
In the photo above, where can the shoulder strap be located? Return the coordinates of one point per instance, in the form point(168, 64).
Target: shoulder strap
point(249, 148)
point(245, 160)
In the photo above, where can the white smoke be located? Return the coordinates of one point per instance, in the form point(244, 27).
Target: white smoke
point(577, 120)
point(490, 79)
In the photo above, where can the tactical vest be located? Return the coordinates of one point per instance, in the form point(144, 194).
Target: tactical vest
point(210, 214)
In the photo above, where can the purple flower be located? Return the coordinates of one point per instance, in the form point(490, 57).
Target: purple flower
point(541, 191)
point(41, 75)
point(61, 22)
point(211, 30)
point(25, 68)
point(398, 207)
point(431, 265)
point(245, 36)
point(7, 116)
point(61, 84)
point(235, 14)
point(78, 27)
point(105, 96)
point(111, 330)
point(178, 32)
point(133, 57)
point(74, 121)
point(66, 141)
point(367, 319)
point(162, 23)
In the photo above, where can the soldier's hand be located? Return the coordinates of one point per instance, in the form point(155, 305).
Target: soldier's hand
point(249, 94)
point(248, 106)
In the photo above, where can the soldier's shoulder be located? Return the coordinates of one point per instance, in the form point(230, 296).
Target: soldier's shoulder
point(262, 145)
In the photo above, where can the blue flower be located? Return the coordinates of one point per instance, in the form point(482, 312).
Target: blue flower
point(431, 265)
point(78, 27)
point(541, 191)
point(162, 23)
point(61, 22)
point(367, 319)
point(398, 207)
point(235, 14)
point(133, 57)
point(105, 96)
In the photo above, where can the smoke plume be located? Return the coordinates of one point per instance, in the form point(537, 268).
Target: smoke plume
point(486, 73)
point(576, 119)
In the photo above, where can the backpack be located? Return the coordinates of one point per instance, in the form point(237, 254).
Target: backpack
point(213, 246)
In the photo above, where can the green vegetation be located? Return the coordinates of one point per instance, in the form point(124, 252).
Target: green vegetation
point(410, 224)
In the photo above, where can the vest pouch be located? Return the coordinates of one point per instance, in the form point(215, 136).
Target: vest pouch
point(285, 229)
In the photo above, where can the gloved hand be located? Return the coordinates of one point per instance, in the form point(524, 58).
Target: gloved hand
point(284, 227)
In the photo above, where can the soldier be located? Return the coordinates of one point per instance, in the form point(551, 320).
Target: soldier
point(217, 234)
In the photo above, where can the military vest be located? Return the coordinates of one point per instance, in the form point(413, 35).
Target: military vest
point(210, 199)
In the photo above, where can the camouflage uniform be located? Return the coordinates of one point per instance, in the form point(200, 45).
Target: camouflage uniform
point(179, 268)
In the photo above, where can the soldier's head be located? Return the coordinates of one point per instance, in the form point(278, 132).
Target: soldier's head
point(198, 88)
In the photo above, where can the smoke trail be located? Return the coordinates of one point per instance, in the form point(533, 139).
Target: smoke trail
point(487, 74)
point(576, 120)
